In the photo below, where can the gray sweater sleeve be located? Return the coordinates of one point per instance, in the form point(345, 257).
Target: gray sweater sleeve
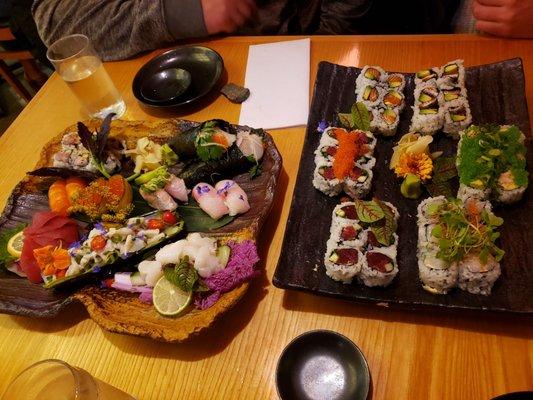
point(120, 29)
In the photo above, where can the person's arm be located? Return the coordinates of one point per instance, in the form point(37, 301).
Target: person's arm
point(509, 18)
point(120, 29)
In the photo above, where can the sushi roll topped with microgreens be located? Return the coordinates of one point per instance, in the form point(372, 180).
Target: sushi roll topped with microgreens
point(491, 159)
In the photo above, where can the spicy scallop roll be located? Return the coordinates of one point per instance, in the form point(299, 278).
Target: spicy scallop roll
point(457, 116)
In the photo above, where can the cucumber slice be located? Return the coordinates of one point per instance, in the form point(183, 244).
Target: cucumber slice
point(223, 253)
point(136, 279)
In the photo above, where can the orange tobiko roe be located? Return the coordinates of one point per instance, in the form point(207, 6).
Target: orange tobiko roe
point(351, 147)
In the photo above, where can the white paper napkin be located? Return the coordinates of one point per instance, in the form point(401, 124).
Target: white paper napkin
point(277, 75)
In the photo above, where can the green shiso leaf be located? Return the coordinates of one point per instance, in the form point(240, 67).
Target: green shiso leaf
point(444, 169)
point(439, 188)
point(346, 120)
point(385, 227)
point(196, 220)
point(5, 257)
point(183, 275)
point(255, 171)
point(368, 211)
point(360, 117)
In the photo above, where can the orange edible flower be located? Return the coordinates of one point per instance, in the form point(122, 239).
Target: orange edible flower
point(351, 147)
point(418, 164)
point(52, 260)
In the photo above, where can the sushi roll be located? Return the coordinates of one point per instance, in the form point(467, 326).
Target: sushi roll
point(452, 75)
point(343, 263)
point(393, 99)
point(388, 120)
point(325, 179)
point(491, 162)
point(449, 95)
point(476, 277)
point(426, 75)
point(457, 116)
point(437, 276)
point(358, 182)
point(428, 114)
point(379, 266)
point(395, 82)
point(344, 160)
point(370, 75)
point(345, 231)
point(370, 95)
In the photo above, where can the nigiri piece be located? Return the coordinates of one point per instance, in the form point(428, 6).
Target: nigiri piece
point(159, 200)
point(177, 189)
point(250, 144)
point(209, 201)
point(234, 197)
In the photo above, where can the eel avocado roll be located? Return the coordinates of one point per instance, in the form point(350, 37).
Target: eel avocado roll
point(428, 114)
point(457, 116)
point(491, 160)
point(207, 141)
point(395, 82)
point(452, 75)
point(426, 75)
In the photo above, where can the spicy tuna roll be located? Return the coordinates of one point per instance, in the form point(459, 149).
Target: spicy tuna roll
point(343, 263)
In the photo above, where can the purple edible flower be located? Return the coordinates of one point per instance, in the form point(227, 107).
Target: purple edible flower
point(225, 188)
point(96, 270)
point(146, 297)
point(202, 189)
point(322, 126)
point(75, 245)
point(240, 269)
point(99, 226)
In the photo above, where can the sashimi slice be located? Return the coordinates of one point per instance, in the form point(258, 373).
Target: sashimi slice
point(209, 201)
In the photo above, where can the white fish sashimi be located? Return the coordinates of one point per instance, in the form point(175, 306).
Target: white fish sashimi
point(195, 239)
point(171, 253)
point(250, 144)
point(159, 200)
point(209, 201)
point(234, 196)
point(177, 189)
point(150, 271)
point(206, 262)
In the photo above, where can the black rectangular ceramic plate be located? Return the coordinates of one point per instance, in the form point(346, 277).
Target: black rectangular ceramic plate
point(496, 93)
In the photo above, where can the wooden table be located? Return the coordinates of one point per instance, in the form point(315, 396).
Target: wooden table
point(412, 355)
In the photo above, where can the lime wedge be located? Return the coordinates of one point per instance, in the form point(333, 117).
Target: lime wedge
point(169, 300)
point(14, 246)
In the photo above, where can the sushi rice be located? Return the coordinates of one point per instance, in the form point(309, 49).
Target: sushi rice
point(347, 235)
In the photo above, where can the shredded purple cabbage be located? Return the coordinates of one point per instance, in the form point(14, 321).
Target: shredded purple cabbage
point(146, 297)
point(240, 269)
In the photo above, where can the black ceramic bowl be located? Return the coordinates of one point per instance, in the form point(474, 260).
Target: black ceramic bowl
point(322, 365)
point(157, 82)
